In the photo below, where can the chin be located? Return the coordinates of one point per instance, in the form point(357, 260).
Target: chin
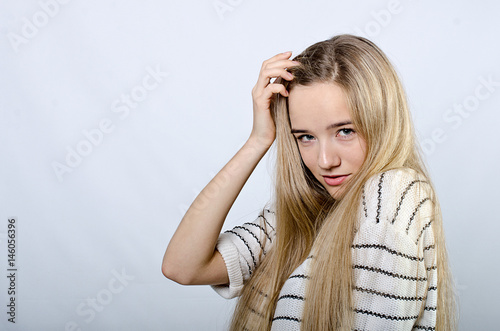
point(336, 193)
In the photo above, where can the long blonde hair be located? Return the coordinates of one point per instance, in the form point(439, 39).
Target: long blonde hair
point(308, 218)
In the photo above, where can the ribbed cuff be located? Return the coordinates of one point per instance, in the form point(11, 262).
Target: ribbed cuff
point(231, 258)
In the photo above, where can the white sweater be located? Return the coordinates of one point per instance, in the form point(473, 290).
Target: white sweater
point(393, 256)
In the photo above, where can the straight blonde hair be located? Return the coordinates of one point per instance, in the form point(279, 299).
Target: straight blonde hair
point(308, 219)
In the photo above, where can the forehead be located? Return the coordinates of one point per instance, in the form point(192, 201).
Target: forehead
point(317, 104)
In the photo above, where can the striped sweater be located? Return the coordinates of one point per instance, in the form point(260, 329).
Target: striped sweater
point(393, 256)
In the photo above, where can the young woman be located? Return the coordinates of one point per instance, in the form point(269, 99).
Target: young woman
point(354, 239)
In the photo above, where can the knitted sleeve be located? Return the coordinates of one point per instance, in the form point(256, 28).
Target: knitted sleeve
point(242, 249)
point(395, 278)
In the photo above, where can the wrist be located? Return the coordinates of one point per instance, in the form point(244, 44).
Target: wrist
point(259, 143)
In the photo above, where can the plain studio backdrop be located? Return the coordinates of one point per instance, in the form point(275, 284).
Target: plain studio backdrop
point(115, 114)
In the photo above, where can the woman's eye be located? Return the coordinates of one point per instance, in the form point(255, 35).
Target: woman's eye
point(345, 132)
point(305, 138)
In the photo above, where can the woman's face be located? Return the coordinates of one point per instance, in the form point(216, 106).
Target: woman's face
point(328, 142)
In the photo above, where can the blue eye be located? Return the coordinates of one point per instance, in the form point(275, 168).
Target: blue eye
point(305, 138)
point(345, 132)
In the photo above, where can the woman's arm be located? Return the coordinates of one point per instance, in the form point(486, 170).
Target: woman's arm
point(191, 257)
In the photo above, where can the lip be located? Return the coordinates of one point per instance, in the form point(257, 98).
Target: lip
point(335, 180)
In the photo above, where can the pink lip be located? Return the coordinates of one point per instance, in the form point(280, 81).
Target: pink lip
point(334, 180)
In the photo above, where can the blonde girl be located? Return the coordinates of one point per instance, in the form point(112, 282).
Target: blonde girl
point(354, 237)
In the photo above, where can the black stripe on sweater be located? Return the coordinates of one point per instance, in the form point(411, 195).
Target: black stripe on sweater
point(287, 318)
point(267, 222)
point(364, 203)
point(256, 312)
point(422, 231)
point(385, 248)
point(261, 229)
point(260, 292)
point(246, 244)
point(387, 295)
point(415, 212)
point(249, 268)
point(391, 274)
point(291, 296)
point(403, 197)
point(379, 203)
point(429, 247)
point(251, 233)
point(426, 328)
point(299, 276)
point(389, 317)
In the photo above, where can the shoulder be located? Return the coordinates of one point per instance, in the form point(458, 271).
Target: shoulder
point(395, 179)
point(401, 198)
point(267, 218)
point(393, 256)
point(264, 224)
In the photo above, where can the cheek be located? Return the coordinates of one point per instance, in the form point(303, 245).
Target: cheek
point(308, 158)
point(359, 154)
point(359, 161)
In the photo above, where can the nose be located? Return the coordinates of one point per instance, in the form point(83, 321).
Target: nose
point(328, 157)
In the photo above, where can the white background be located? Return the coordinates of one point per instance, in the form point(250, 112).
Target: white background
point(92, 229)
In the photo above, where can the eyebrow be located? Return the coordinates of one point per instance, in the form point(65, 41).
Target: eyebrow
point(331, 126)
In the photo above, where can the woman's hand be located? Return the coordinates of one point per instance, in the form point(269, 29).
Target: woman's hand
point(264, 130)
point(191, 256)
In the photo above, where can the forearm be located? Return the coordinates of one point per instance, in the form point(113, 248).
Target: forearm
point(192, 247)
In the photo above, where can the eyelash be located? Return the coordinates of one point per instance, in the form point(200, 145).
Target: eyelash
point(300, 138)
point(347, 134)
